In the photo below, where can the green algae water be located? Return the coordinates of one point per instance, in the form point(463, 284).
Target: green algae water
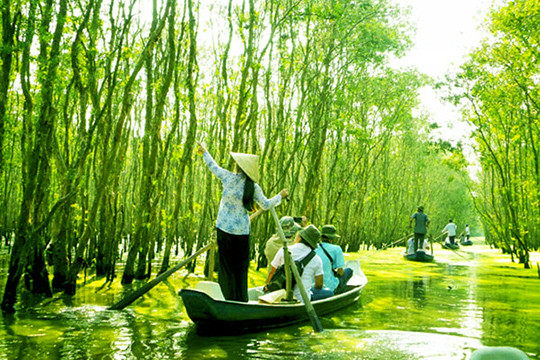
point(465, 300)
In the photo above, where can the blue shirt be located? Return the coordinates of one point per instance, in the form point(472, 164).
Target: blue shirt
point(233, 217)
point(335, 252)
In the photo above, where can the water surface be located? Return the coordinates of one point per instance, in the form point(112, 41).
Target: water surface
point(463, 301)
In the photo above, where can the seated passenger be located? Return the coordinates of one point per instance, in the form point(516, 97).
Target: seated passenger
point(410, 245)
point(335, 276)
point(290, 228)
point(306, 241)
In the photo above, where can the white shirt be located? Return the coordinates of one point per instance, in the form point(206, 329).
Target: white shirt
point(313, 267)
point(451, 227)
point(410, 245)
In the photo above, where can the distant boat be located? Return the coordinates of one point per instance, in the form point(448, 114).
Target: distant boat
point(466, 242)
point(447, 245)
point(419, 255)
point(212, 314)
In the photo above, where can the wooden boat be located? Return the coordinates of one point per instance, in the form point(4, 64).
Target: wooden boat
point(450, 246)
point(466, 242)
point(419, 255)
point(212, 314)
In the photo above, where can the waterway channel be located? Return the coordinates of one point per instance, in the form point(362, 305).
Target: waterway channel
point(463, 301)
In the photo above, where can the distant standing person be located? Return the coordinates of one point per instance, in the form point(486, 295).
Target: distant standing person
point(467, 232)
point(420, 227)
point(451, 228)
point(240, 190)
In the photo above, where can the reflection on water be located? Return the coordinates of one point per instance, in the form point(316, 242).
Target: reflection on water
point(442, 310)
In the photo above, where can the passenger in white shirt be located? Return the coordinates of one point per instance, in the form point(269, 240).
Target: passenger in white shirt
point(410, 246)
point(306, 241)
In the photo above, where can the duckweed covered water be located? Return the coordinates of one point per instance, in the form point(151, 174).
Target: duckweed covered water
point(443, 310)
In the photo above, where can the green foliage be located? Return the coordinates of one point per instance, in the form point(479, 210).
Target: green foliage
point(306, 85)
point(500, 82)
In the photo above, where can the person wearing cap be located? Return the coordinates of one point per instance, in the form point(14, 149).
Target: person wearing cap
point(306, 241)
point(240, 191)
point(290, 228)
point(451, 228)
point(335, 275)
point(420, 227)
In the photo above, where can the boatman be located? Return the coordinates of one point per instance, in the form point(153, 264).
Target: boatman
point(240, 192)
point(420, 227)
point(451, 228)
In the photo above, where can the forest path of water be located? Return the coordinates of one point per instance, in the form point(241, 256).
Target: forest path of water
point(442, 310)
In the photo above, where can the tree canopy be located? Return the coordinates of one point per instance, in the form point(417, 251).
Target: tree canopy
point(499, 87)
point(102, 102)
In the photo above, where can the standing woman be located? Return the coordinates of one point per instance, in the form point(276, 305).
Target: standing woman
point(240, 190)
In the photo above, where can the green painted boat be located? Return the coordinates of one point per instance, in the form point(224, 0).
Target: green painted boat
point(420, 256)
point(450, 246)
point(213, 315)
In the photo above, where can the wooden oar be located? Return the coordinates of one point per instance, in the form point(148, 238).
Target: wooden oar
point(442, 243)
point(396, 242)
point(315, 323)
point(255, 214)
point(131, 297)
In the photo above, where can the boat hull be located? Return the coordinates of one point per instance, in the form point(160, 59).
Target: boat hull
point(212, 315)
point(450, 246)
point(420, 256)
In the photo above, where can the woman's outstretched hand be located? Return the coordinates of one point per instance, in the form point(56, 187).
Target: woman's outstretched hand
point(200, 148)
point(284, 193)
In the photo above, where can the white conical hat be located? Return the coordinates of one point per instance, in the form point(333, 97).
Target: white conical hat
point(249, 163)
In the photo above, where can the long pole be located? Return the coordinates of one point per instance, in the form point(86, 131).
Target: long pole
point(396, 242)
point(131, 297)
point(315, 323)
point(442, 242)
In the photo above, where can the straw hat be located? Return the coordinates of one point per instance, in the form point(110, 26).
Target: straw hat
point(249, 163)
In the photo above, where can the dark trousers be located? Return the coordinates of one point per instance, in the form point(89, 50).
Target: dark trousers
point(418, 241)
point(452, 239)
point(343, 280)
point(233, 265)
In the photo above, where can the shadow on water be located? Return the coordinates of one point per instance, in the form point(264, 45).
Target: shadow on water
point(302, 343)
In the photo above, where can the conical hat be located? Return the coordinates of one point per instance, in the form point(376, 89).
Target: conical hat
point(249, 163)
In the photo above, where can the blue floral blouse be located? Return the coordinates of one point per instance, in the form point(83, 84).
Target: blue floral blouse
point(233, 218)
